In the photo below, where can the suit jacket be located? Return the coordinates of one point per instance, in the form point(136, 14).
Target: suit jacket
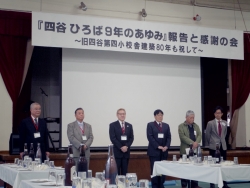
point(154, 141)
point(212, 135)
point(115, 133)
point(26, 133)
point(75, 138)
point(185, 137)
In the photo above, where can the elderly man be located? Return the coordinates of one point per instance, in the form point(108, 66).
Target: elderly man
point(34, 130)
point(189, 133)
point(122, 136)
point(80, 132)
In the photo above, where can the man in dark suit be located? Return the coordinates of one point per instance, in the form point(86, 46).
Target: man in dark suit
point(159, 139)
point(122, 136)
point(216, 132)
point(34, 130)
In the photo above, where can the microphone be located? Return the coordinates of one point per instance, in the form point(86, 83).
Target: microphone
point(43, 92)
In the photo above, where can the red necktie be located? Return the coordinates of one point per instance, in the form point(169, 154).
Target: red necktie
point(123, 128)
point(219, 128)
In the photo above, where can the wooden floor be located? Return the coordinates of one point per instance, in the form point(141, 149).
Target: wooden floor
point(138, 163)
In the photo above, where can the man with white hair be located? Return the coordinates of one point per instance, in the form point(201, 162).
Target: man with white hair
point(34, 130)
point(189, 133)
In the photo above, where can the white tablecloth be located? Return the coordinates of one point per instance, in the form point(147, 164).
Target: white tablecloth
point(204, 173)
point(29, 184)
point(13, 177)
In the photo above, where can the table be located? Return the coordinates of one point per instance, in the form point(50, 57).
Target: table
point(14, 177)
point(204, 173)
point(29, 184)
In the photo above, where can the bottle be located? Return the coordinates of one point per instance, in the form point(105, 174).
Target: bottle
point(111, 167)
point(38, 153)
point(69, 167)
point(217, 153)
point(32, 153)
point(199, 152)
point(25, 151)
point(82, 163)
point(191, 151)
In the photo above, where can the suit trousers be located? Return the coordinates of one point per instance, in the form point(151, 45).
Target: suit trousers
point(157, 181)
point(223, 153)
point(185, 182)
point(122, 165)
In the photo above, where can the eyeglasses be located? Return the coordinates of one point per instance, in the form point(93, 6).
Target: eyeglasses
point(121, 114)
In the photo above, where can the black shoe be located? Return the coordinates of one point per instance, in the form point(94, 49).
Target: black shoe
point(225, 186)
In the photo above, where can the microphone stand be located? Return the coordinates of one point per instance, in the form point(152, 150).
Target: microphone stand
point(44, 111)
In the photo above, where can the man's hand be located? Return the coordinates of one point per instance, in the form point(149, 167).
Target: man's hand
point(165, 149)
point(47, 154)
point(195, 145)
point(21, 155)
point(160, 147)
point(124, 149)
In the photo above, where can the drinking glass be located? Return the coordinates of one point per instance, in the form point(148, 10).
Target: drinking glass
point(184, 158)
point(51, 164)
point(205, 160)
point(20, 163)
point(60, 179)
point(38, 160)
point(131, 180)
point(236, 160)
point(143, 183)
point(174, 158)
point(214, 160)
point(16, 161)
point(99, 175)
point(52, 175)
point(121, 181)
point(46, 162)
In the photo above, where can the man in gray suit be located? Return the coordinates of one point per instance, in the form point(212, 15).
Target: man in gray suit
point(80, 132)
point(216, 132)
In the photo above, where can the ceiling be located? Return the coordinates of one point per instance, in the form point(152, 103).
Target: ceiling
point(243, 5)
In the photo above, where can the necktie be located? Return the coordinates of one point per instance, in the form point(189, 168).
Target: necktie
point(160, 126)
point(36, 122)
point(219, 128)
point(123, 128)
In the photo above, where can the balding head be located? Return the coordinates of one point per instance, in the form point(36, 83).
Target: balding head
point(35, 109)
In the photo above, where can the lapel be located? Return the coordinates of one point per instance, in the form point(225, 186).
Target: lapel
point(86, 129)
point(119, 128)
point(126, 128)
point(77, 129)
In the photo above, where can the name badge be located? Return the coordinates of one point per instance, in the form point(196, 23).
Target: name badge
point(37, 135)
point(160, 135)
point(195, 133)
point(124, 137)
point(84, 137)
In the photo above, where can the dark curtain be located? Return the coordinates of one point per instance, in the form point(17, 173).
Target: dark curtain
point(15, 31)
point(214, 88)
point(240, 70)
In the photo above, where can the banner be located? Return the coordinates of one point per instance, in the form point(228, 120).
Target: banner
point(99, 33)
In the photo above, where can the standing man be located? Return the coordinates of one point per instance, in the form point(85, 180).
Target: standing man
point(80, 132)
point(122, 136)
point(189, 133)
point(34, 130)
point(159, 139)
point(216, 132)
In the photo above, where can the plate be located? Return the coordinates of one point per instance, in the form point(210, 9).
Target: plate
point(40, 180)
point(244, 164)
point(215, 165)
point(184, 162)
point(49, 184)
point(23, 169)
point(198, 164)
point(58, 168)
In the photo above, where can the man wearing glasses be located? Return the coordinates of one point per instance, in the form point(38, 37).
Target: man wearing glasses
point(122, 136)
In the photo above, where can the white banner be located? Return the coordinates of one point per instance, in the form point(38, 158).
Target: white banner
point(98, 33)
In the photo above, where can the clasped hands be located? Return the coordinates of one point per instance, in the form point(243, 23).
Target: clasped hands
point(163, 148)
point(124, 149)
